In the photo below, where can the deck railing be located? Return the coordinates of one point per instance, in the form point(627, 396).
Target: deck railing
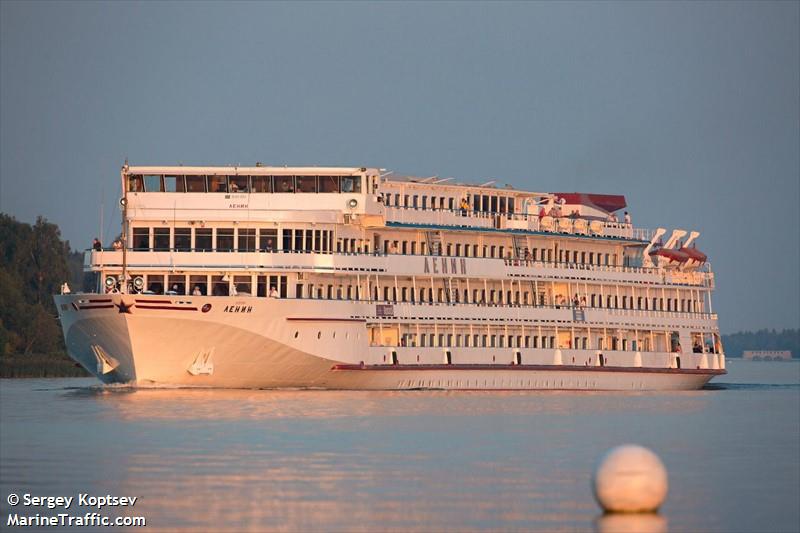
point(516, 221)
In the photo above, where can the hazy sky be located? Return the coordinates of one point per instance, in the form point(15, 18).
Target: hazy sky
point(691, 110)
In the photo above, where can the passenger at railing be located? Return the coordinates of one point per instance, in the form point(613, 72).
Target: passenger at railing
point(174, 290)
point(197, 291)
point(612, 217)
point(542, 213)
point(627, 218)
point(697, 348)
point(234, 187)
point(575, 301)
point(527, 257)
point(464, 207)
point(273, 292)
point(574, 214)
point(117, 244)
point(97, 245)
point(583, 303)
point(269, 247)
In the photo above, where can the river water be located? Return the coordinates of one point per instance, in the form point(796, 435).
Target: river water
point(404, 461)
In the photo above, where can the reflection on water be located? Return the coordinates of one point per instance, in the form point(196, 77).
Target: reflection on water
point(631, 523)
point(419, 461)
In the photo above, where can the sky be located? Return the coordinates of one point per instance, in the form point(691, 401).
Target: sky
point(691, 110)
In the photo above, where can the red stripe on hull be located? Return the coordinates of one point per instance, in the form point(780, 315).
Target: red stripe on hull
point(166, 307)
point(291, 319)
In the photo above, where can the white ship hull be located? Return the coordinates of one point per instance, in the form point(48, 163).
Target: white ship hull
point(243, 342)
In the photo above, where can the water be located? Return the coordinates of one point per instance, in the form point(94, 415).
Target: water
point(406, 461)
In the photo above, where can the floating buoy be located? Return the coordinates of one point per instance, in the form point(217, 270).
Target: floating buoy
point(630, 479)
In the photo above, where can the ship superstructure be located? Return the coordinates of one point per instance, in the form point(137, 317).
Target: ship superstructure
point(353, 278)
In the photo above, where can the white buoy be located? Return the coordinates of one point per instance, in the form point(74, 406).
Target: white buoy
point(630, 479)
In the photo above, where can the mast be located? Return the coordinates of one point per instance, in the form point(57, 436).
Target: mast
point(124, 203)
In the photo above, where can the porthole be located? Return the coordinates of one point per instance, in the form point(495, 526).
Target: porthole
point(296, 334)
point(319, 335)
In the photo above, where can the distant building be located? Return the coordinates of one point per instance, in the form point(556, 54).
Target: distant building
point(767, 355)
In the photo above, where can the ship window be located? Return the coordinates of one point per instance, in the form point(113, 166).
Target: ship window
point(329, 184)
point(351, 184)
point(287, 240)
point(298, 240)
point(135, 184)
point(219, 287)
point(284, 183)
point(243, 285)
point(217, 184)
point(141, 238)
point(199, 284)
point(195, 184)
point(261, 183)
point(239, 183)
point(424, 202)
point(224, 239)
point(183, 239)
point(306, 184)
point(202, 240)
point(317, 240)
point(153, 183)
point(247, 240)
point(176, 284)
point(174, 184)
point(502, 204)
point(155, 284)
point(267, 240)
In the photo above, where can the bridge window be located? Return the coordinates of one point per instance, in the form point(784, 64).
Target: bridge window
point(284, 184)
point(239, 183)
point(153, 183)
point(135, 184)
point(351, 184)
point(174, 184)
point(306, 183)
point(329, 184)
point(261, 183)
point(195, 184)
point(217, 184)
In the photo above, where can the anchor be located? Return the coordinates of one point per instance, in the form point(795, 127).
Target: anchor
point(202, 364)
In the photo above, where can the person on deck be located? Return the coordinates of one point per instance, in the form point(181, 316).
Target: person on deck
point(97, 245)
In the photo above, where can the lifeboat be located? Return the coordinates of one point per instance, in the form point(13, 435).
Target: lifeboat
point(695, 257)
point(669, 257)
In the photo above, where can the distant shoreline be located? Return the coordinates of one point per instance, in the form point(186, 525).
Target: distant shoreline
point(40, 366)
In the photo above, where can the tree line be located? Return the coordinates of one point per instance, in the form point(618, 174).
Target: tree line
point(34, 262)
point(763, 339)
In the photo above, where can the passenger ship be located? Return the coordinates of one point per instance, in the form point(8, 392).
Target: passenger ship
point(354, 278)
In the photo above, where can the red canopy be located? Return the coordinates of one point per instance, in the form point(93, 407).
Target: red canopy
point(606, 202)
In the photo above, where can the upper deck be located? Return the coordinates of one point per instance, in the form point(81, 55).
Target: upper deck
point(335, 195)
